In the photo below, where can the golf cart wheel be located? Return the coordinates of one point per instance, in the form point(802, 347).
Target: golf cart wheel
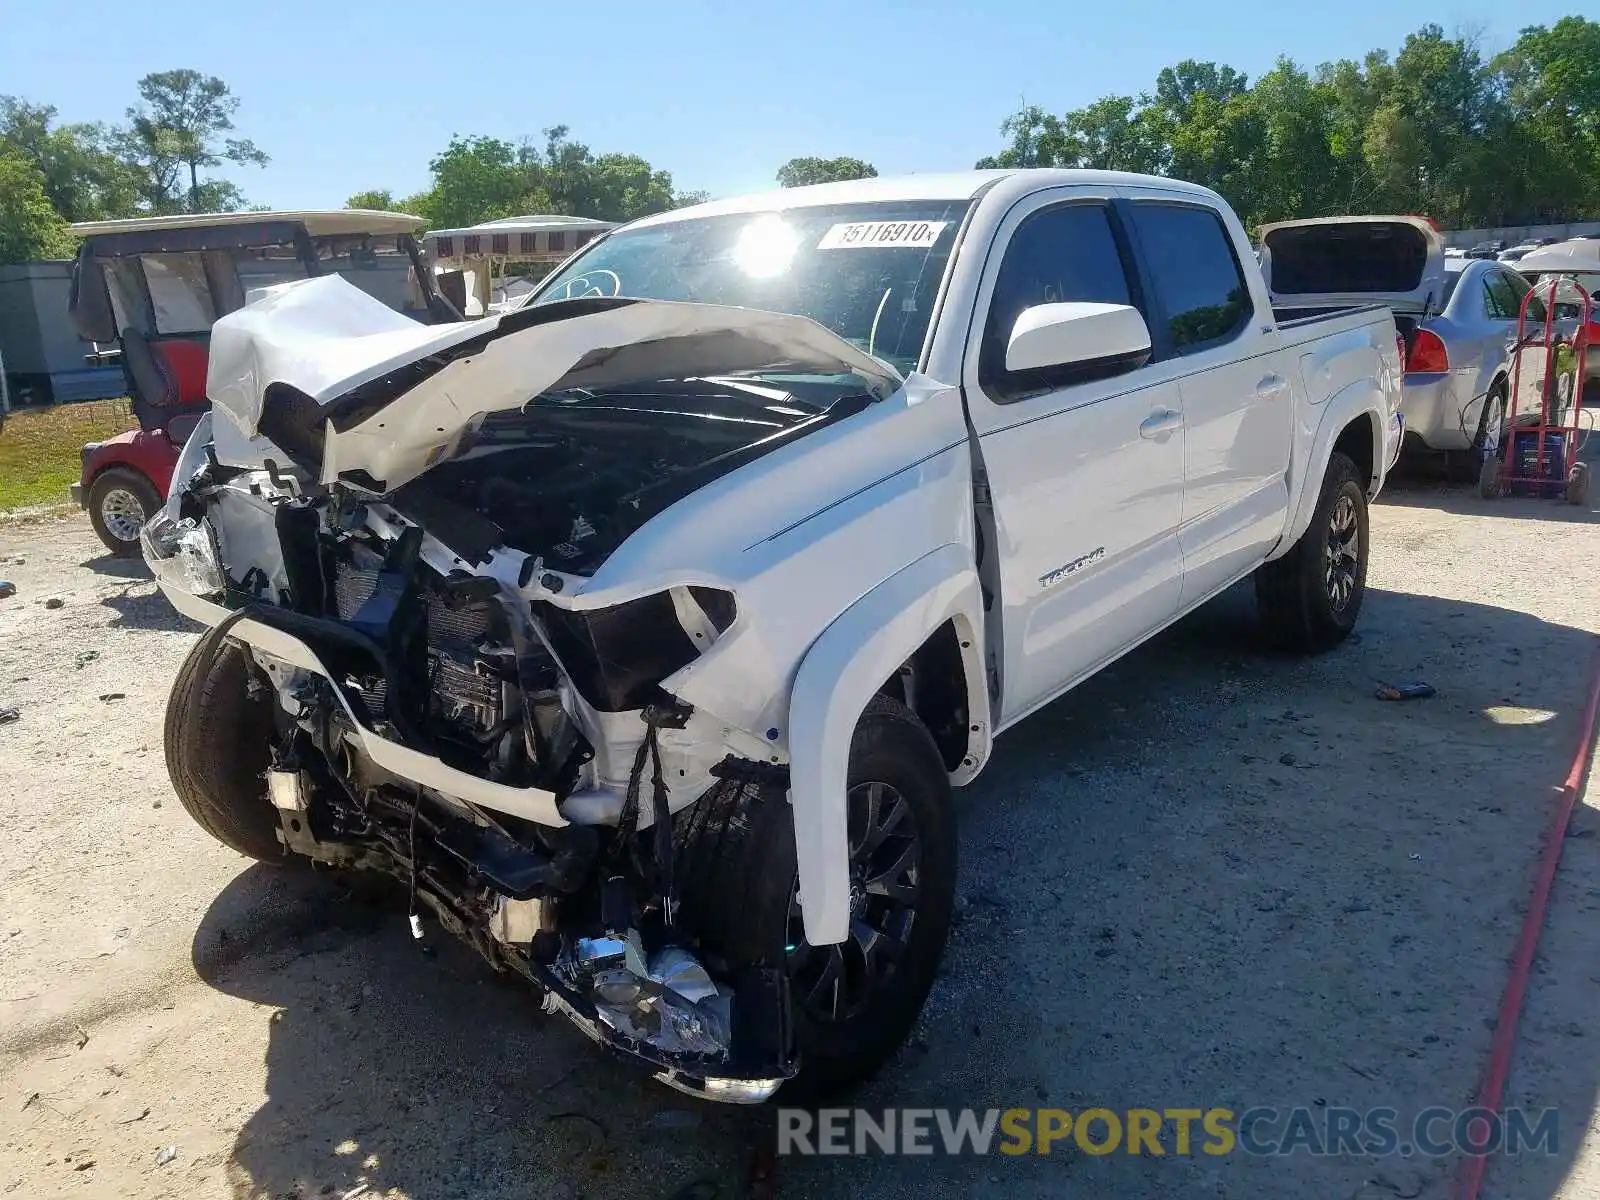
point(1310, 598)
point(1489, 478)
point(852, 1004)
point(1578, 484)
point(120, 502)
point(218, 737)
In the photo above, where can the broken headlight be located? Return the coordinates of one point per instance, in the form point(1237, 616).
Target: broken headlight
point(183, 553)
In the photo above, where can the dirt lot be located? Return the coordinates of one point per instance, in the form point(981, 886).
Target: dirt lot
point(1209, 877)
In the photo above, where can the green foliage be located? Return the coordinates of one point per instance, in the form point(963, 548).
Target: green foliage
point(1437, 130)
point(178, 129)
point(478, 179)
point(798, 172)
point(378, 200)
point(30, 227)
point(83, 177)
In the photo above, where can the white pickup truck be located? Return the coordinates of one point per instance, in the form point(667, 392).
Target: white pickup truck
point(643, 631)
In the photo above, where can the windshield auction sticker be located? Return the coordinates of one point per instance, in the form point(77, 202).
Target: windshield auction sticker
point(901, 235)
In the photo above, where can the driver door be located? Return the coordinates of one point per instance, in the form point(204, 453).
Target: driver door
point(1085, 479)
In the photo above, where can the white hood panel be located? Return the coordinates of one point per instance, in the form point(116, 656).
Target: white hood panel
point(325, 337)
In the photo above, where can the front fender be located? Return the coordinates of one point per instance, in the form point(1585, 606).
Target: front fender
point(1361, 398)
point(150, 452)
point(844, 668)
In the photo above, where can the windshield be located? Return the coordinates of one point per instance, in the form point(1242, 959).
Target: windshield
point(377, 264)
point(868, 272)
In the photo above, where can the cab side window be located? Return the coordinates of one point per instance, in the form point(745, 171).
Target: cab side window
point(1200, 290)
point(1060, 254)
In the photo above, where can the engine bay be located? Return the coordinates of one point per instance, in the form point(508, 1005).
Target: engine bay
point(572, 474)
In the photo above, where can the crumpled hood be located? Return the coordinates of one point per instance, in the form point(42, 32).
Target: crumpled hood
point(393, 396)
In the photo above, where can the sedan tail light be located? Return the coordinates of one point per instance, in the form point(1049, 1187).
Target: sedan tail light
point(1428, 354)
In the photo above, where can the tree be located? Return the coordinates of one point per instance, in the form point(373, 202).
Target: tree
point(83, 179)
point(177, 131)
point(798, 172)
point(478, 179)
point(1436, 129)
point(379, 200)
point(30, 226)
point(1036, 139)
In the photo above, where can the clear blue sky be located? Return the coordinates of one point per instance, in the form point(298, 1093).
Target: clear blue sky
point(351, 94)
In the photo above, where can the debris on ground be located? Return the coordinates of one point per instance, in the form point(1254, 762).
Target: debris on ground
point(54, 602)
point(7, 715)
point(83, 1036)
point(108, 696)
point(85, 657)
point(1405, 691)
point(165, 1155)
point(7, 589)
point(134, 1118)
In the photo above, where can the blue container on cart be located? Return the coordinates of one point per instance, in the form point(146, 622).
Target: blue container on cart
point(1525, 451)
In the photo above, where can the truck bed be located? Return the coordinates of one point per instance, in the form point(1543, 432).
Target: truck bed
point(1290, 319)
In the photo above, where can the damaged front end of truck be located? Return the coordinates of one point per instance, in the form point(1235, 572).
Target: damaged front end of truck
point(468, 672)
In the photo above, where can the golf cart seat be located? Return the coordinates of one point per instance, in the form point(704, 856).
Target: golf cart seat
point(169, 382)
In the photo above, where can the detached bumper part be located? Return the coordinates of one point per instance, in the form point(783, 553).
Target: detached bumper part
point(636, 1014)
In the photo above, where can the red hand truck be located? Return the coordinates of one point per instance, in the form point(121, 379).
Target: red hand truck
point(1541, 453)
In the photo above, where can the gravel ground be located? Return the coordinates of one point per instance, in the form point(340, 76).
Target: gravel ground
point(1208, 877)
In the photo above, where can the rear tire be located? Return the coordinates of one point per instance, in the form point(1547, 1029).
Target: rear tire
point(1489, 478)
point(1578, 484)
point(740, 894)
point(1310, 598)
point(1493, 417)
point(219, 746)
point(121, 500)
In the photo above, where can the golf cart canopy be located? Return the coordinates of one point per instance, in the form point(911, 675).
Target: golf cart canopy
point(489, 267)
point(173, 276)
point(215, 231)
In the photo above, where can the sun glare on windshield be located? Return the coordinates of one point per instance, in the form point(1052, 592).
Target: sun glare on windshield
point(765, 247)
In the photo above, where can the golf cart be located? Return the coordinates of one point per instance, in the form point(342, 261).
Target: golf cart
point(493, 267)
point(146, 292)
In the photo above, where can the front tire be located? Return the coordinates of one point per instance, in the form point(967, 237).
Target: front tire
point(218, 736)
point(1310, 598)
point(853, 1005)
point(121, 500)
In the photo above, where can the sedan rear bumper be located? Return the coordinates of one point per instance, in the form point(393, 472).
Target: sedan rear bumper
point(1440, 408)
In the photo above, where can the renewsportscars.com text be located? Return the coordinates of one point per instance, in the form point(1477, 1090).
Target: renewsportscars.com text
point(1433, 1132)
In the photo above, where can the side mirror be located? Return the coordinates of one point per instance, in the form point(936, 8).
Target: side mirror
point(1095, 340)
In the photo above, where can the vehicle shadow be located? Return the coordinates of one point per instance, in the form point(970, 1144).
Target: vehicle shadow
point(122, 568)
point(147, 610)
point(1208, 877)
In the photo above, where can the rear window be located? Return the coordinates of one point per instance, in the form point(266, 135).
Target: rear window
point(1199, 285)
point(1369, 256)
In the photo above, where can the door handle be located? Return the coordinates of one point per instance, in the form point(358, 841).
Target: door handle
point(1270, 387)
point(1160, 425)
